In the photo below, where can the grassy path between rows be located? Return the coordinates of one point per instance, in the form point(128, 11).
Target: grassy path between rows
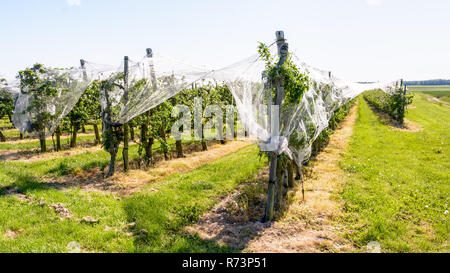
point(31, 144)
point(398, 186)
point(149, 221)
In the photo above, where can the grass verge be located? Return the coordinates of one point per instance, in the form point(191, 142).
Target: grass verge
point(150, 221)
point(398, 188)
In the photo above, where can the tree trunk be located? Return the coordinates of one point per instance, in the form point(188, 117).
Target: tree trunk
point(21, 136)
point(2, 137)
point(58, 139)
point(279, 185)
point(149, 151)
point(112, 162)
point(291, 181)
point(97, 134)
point(163, 137)
point(179, 146)
point(83, 129)
point(42, 142)
point(271, 190)
point(131, 133)
point(298, 175)
point(143, 139)
point(73, 140)
point(204, 146)
point(126, 163)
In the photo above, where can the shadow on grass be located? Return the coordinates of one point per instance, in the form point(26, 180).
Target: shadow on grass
point(23, 184)
point(159, 225)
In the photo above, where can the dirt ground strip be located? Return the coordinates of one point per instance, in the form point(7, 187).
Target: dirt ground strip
point(134, 180)
point(306, 226)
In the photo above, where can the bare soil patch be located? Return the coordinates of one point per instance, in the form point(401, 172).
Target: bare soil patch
point(134, 180)
point(305, 226)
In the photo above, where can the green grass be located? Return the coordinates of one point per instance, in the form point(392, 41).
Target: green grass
point(70, 164)
point(34, 144)
point(437, 88)
point(398, 189)
point(440, 91)
point(162, 210)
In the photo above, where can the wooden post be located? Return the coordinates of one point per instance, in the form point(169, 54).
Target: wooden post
point(152, 69)
point(282, 53)
point(83, 67)
point(126, 165)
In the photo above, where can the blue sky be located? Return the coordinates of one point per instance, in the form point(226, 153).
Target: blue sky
point(356, 39)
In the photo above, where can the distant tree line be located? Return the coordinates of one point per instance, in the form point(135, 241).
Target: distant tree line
point(429, 82)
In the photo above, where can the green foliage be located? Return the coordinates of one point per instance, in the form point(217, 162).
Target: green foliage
point(6, 102)
point(45, 88)
point(324, 137)
point(393, 104)
point(88, 109)
point(294, 81)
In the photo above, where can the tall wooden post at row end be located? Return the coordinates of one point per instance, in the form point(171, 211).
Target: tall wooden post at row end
point(126, 165)
point(283, 50)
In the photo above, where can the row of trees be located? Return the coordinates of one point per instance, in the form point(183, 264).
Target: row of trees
point(6, 106)
point(147, 128)
point(155, 124)
point(395, 104)
point(429, 82)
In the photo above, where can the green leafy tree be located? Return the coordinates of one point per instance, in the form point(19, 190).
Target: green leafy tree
point(395, 104)
point(6, 105)
point(43, 86)
point(112, 134)
point(87, 111)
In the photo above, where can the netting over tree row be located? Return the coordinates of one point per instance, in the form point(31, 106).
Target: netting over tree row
point(134, 87)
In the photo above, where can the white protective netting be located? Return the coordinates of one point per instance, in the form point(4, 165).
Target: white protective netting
point(8, 88)
point(41, 105)
point(300, 124)
point(151, 81)
point(156, 78)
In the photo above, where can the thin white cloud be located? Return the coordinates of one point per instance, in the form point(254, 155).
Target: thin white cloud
point(73, 2)
point(374, 3)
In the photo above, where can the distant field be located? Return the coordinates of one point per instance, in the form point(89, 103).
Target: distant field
point(439, 91)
